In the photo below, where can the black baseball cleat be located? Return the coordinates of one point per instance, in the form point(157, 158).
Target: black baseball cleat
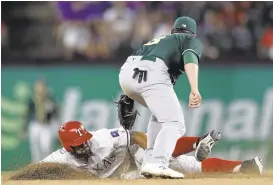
point(205, 144)
point(252, 166)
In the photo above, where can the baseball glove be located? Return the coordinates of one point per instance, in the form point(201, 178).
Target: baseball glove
point(126, 112)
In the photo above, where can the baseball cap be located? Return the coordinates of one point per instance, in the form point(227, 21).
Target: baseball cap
point(186, 23)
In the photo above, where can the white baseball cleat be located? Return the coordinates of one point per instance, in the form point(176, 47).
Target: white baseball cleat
point(205, 144)
point(252, 166)
point(154, 170)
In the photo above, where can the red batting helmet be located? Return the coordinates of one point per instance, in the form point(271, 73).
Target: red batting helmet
point(73, 133)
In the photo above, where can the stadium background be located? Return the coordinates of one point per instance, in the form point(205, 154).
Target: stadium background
point(78, 48)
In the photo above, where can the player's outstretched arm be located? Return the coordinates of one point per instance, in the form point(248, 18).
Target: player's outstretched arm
point(139, 138)
point(191, 69)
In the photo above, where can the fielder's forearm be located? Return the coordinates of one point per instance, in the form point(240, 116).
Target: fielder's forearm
point(191, 70)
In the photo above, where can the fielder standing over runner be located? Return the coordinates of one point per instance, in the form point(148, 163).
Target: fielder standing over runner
point(148, 77)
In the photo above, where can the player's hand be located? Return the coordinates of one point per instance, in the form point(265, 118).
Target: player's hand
point(195, 99)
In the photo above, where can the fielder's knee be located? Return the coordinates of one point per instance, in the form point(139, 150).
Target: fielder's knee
point(179, 127)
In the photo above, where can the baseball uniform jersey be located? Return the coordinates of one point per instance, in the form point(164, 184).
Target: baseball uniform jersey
point(170, 48)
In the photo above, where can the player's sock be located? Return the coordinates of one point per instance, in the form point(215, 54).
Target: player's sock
point(184, 145)
point(220, 165)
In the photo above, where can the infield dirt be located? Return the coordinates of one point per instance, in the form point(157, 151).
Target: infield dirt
point(207, 179)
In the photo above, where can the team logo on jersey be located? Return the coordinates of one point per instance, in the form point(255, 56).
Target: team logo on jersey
point(114, 133)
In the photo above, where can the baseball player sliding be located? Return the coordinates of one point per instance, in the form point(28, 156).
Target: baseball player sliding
point(148, 77)
point(110, 152)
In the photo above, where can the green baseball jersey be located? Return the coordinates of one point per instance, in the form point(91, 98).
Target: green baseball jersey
point(170, 48)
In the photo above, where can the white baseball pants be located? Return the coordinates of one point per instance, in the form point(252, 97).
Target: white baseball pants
point(157, 93)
